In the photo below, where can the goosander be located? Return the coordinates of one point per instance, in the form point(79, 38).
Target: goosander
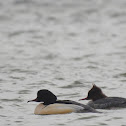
point(101, 101)
point(50, 105)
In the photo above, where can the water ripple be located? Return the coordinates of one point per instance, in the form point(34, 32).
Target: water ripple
point(87, 117)
point(11, 100)
point(75, 84)
point(23, 92)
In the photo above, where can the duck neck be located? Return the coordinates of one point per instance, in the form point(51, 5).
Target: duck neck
point(48, 102)
point(97, 96)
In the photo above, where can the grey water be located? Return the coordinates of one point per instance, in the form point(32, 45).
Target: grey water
point(63, 46)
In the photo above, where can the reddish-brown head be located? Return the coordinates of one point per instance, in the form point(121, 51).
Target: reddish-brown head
point(94, 94)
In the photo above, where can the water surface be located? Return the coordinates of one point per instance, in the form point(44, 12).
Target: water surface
point(63, 46)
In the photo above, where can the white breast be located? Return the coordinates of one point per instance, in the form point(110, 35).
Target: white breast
point(57, 108)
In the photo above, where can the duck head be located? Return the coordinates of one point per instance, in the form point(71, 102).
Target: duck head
point(94, 94)
point(45, 96)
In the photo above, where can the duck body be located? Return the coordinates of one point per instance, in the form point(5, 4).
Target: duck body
point(100, 101)
point(51, 105)
point(56, 109)
point(62, 107)
point(108, 102)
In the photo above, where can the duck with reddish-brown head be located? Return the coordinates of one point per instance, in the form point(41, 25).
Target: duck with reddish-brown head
point(100, 101)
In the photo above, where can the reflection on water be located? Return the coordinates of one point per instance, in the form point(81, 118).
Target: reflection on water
point(63, 46)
